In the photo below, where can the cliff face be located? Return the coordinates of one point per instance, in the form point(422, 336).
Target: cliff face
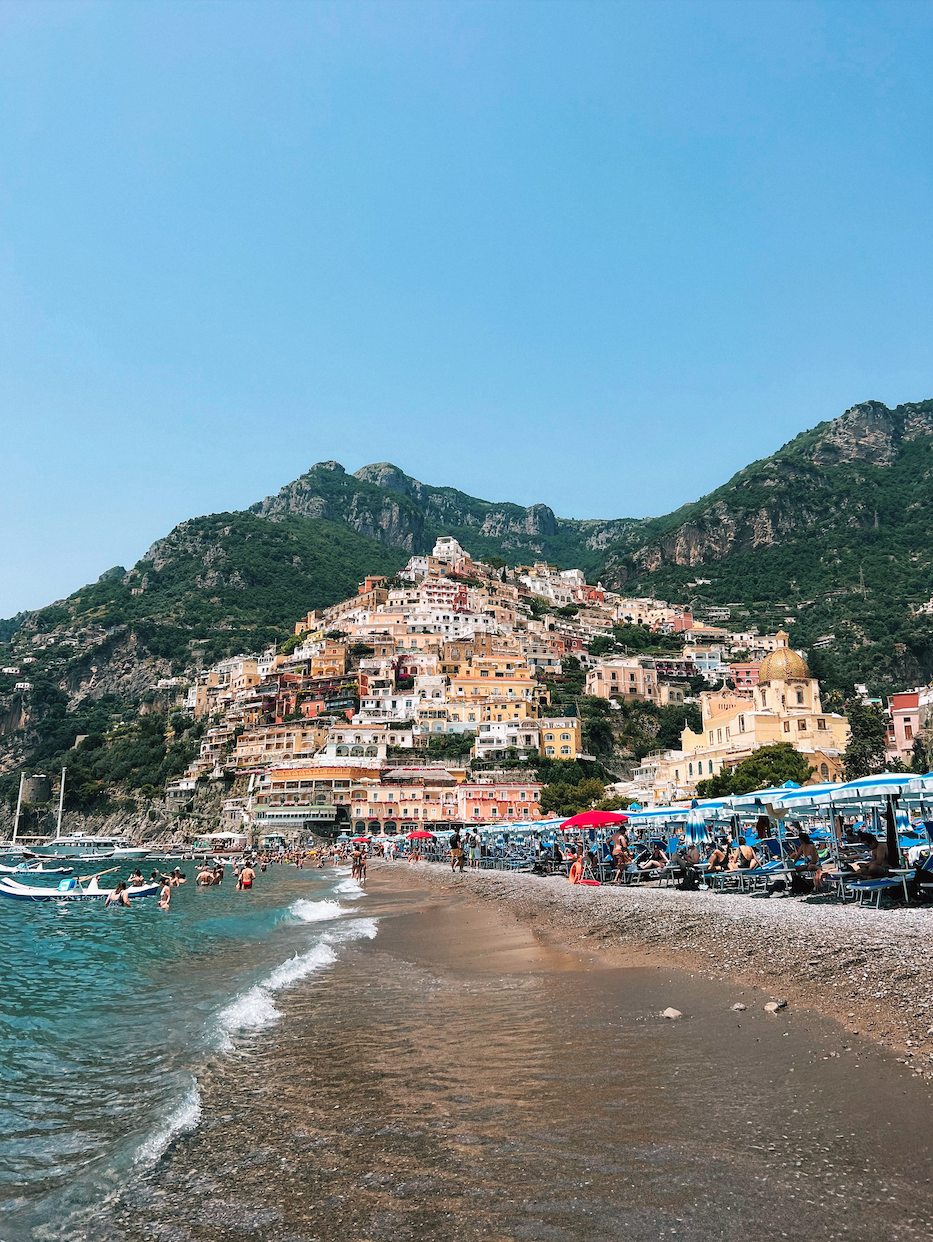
point(865, 471)
point(383, 503)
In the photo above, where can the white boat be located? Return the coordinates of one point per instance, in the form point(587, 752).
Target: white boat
point(123, 849)
point(34, 868)
point(78, 845)
point(81, 845)
point(69, 890)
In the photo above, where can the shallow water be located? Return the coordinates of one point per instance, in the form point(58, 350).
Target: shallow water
point(108, 1019)
point(453, 1077)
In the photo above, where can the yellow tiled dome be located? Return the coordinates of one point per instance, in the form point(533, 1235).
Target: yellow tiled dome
point(782, 664)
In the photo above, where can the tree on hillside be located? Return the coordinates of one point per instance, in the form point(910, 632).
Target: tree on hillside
point(864, 754)
point(765, 768)
point(598, 737)
point(564, 799)
point(674, 717)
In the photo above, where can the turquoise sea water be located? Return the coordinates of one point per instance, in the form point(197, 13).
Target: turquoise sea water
point(107, 1017)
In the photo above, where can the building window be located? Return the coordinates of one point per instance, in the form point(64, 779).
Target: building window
point(908, 731)
point(824, 771)
point(800, 696)
point(801, 726)
point(821, 724)
point(549, 750)
point(741, 724)
point(787, 726)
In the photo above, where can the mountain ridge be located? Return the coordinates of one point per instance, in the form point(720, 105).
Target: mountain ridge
point(836, 526)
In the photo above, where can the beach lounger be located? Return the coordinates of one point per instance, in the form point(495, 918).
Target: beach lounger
point(868, 889)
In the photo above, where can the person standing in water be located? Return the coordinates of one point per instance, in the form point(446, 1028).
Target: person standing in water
point(247, 875)
point(165, 896)
point(119, 896)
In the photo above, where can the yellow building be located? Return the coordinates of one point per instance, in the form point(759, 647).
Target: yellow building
point(561, 737)
point(784, 707)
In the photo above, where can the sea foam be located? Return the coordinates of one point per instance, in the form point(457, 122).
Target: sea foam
point(255, 1007)
point(182, 1118)
point(315, 911)
point(350, 888)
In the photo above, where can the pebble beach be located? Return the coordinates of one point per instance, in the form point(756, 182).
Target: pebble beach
point(872, 970)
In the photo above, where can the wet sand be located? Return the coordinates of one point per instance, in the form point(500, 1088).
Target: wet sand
point(460, 1077)
point(871, 970)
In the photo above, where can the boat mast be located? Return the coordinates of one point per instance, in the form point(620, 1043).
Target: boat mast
point(19, 802)
point(61, 803)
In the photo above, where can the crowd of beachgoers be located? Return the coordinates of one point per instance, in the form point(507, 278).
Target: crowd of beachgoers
point(853, 863)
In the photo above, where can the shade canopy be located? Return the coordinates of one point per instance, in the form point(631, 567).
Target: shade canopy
point(420, 835)
point(593, 819)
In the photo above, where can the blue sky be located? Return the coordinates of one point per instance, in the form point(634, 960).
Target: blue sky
point(598, 255)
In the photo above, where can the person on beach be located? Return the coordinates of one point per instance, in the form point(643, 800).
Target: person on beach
point(247, 875)
point(875, 867)
point(655, 860)
point(455, 850)
point(119, 896)
point(623, 861)
point(576, 869)
point(743, 857)
point(688, 860)
point(361, 866)
point(165, 896)
point(804, 860)
point(719, 857)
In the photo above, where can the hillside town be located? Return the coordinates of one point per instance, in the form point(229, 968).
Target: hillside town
point(428, 699)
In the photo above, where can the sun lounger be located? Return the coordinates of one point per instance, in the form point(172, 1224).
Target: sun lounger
point(868, 889)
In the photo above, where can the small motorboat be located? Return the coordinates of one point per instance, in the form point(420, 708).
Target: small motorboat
point(74, 889)
point(35, 868)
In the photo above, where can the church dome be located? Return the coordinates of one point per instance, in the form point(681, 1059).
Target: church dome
point(782, 664)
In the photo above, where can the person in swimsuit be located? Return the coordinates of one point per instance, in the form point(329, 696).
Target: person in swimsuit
point(247, 875)
point(119, 896)
point(165, 896)
point(876, 867)
point(746, 856)
point(576, 869)
point(719, 858)
point(655, 861)
point(136, 879)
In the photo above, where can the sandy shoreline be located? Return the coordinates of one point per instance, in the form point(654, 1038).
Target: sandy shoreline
point(870, 970)
point(462, 1075)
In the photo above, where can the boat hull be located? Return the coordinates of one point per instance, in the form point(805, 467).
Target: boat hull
point(35, 869)
point(15, 891)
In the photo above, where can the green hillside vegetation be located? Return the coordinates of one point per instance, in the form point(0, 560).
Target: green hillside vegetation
point(260, 577)
point(122, 750)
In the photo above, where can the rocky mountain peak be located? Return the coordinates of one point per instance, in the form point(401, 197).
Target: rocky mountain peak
point(383, 474)
point(872, 433)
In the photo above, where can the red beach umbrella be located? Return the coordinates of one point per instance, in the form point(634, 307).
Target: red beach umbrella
point(593, 819)
point(361, 838)
point(420, 835)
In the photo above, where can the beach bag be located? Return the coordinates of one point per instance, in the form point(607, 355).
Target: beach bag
point(800, 884)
